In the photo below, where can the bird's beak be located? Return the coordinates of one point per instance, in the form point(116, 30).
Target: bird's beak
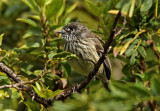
point(60, 32)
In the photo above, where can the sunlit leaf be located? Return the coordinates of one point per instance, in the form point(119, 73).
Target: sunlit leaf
point(28, 21)
point(132, 8)
point(51, 94)
point(1, 38)
point(71, 8)
point(31, 4)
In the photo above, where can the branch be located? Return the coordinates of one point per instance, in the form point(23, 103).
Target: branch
point(120, 30)
point(28, 89)
point(11, 86)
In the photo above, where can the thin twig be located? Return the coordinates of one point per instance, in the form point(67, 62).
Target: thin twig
point(11, 86)
point(120, 30)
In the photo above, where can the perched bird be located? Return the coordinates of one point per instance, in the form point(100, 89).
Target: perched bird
point(86, 45)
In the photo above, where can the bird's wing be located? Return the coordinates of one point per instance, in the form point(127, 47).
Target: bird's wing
point(106, 62)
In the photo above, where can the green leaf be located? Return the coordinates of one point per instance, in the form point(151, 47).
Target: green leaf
point(142, 51)
point(54, 8)
point(71, 8)
point(28, 21)
point(130, 50)
point(132, 8)
point(33, 32)
point(133, 59)
point(31, 45)
point(155, 83)
point(92, 7)
point(55, 27)
point(62, 54)
point(50, 94)
point(146, 5)
point(1, 38)
point(126, 8)
point(40, 2)
point(32, 5)
point(38, 86)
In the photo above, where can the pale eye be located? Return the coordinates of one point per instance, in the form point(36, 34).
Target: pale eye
point(68, 29)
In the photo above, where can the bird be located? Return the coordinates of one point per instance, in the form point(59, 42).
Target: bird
point(86, 45)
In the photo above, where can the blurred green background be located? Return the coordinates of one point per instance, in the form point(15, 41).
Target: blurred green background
point(29, 45)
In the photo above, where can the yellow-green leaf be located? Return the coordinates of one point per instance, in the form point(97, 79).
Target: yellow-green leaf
point(28, 21)
point(1, 38)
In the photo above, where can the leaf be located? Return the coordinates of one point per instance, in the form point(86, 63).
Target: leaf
point(40, 2)
point(155, 83)
point(132, 8)
point(71, 8)
point(92, 7)
point(124, 48)
point(126, 35)
point(62, 54)
point(142, 51)
point(31, 4)
point(33, 32)
point(38, 86)
point(146, 5)
point(133, 59)
point(55, 27)
point(50, 94)
point(31, 45)
point(28, 21)
point(54, 7)
point(116, 50)
point(1, 38)
point(130, 50)
point(126, 8)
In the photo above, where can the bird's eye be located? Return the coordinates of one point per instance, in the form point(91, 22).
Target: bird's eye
point(68, 29)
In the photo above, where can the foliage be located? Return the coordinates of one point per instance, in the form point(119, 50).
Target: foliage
point(30, 46)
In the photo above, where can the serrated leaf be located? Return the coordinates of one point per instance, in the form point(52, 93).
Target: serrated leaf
point(142, 51)
point(28, 21)
point(1, 38)
point(54, 8)
point(146, 5)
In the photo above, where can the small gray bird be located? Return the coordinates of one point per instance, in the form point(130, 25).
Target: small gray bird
point(81, 41)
